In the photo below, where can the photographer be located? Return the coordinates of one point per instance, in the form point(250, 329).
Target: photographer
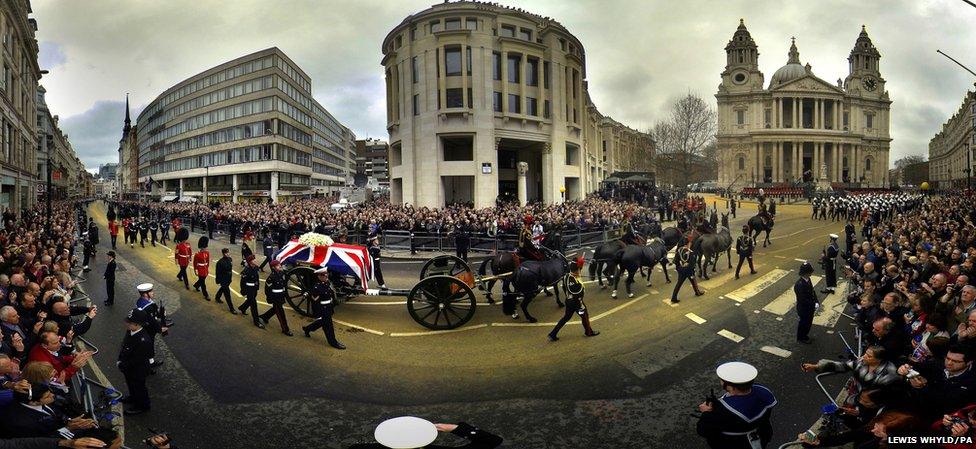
point(959, 423)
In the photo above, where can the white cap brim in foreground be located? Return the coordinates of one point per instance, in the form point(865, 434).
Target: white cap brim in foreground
point(834, 236)
point(144, 287)
point(737, 372)
point(405, 432)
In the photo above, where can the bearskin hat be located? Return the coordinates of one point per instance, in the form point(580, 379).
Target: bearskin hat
point(203, 242)
point(182, 235)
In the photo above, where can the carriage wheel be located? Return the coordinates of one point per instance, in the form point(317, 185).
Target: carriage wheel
point(441, 302)
point(445, 265)
point(298, 290)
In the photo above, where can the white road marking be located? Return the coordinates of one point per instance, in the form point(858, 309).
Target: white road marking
point(523, 324)
point(667, 302)
point(776, 351)
point(784, 302)
point(356, 326)
point(731, 335)
point(618, 308)
point(426, 333)
point(697, 319)
point(833, 305)
point(755, 287)
point(800, 260)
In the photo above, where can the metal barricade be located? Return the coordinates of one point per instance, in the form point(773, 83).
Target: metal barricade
point(396, 240)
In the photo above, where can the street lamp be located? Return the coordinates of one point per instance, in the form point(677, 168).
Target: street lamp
point(562, 193)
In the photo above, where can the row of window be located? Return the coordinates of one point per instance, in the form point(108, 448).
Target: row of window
point(219, 77)
point(517, 32)
point(226, 93)
point(293, 133)
point(217, 137)
point(258, 106)
point(326, 170)
point(234, 156)
point(294, 74)
point(295, 156)
point(293, 179)
point(453, 23)
point(295, 94)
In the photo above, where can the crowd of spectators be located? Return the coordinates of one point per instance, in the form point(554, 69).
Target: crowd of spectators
point(911, 283)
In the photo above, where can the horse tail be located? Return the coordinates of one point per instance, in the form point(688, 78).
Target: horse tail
point(483, 268)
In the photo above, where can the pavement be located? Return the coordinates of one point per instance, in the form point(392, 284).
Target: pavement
point(225, 383)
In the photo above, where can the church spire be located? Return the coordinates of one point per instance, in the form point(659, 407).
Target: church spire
point(794, 53)
point(128, 121)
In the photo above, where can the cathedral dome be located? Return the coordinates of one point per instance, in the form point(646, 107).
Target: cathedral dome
point(791, 71)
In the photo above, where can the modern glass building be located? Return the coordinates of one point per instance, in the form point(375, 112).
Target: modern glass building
point(246, 130)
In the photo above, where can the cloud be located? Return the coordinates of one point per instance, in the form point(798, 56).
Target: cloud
point(50, 55)
point(95, 133)
point(640, 54)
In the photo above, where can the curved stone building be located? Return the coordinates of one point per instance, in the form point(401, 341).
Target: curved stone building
point(245, 130)
point(477, 93)
point(800, 127)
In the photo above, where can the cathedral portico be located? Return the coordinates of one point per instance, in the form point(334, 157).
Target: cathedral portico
point(788, 131)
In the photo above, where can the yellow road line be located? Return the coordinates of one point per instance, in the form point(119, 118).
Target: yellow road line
point(426, 333)
point(523, 324)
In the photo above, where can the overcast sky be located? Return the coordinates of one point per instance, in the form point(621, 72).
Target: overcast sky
point(641, 54)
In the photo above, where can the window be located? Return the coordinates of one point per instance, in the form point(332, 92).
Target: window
point(435, 26)
point(398, 42)
point(525, 34)
point(458, 148)
point(514, 63)
point(575, 83)
point(562, 44)
point(496, 101)
point(507, 31)
point(767, 114)
point(467, 61)
point(452, 61)
point(514, 104)
point(531, 106)
point(416, 104)
point(545, 109)
point(471, 24)
point(869, 120)
point(413, 34)
point(452, 24)
point(742, 163)
point(867, 163)
point(532, 72)
point(545, 74)
point(740, 117)
point(846, 119)
point(415, 69)
point(496, 66)
point(572, 154)
point(455, 98)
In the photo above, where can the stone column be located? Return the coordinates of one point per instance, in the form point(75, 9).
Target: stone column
point(523, 194)
point(206, 197)
point(794, 118)
point(823, 114)
point(855, 177)
point(797, 166)
point(233, 189)
point(835, 169)
point(179, 193)
point(781, 161)
point(274, 187)
point(816, 113)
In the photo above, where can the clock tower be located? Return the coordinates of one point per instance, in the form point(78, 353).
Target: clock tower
point(742, 63)
point(863, 63)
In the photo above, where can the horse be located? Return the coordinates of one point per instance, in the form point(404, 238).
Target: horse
point(671, 237)
point(760, 223)
point(713, 219)
point(634, 257)
point(602, 264)
point(711, 245)
point(650, 229)
point(530, 278)
point(499, 263)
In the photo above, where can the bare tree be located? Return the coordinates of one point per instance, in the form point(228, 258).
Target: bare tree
point(909, 160)
point(686, 133)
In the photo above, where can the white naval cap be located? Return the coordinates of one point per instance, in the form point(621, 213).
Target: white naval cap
point(737, 372)
point(322, 270)
point(147, 287)
point(834, 236)
point(405, 432)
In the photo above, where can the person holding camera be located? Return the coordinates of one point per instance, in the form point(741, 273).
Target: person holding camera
point(740, 418)
point(943, 391)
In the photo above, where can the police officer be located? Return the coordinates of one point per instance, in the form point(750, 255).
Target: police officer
point(740, 418)
point(744, 247)
point(684, 261)
point(232, 229)
point(830, 264)
point(274, 290)
point(225, 269)
point(732, 209)
point(155, 322)
point(249, 288)
point(269, 247)
point(374, 254)
point(134, 362)
point(806, 303)
point(109, 276)
point(323, 307)
point(574, 303)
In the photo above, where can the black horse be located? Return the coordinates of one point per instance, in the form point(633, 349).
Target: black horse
point(710, 246)
point(760, 223)
point(531, 278)
point(602, 264)
point(672, 236)
point(634, 257)
point(505, 262)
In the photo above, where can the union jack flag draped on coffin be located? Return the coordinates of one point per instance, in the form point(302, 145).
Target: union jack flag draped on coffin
point(350, 260)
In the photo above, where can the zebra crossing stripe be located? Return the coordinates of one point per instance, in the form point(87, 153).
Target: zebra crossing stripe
point(833, 305)
point(784, 302)
point(755, 287)
point(697, 319)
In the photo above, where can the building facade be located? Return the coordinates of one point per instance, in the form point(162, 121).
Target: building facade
point(372, 160)
point(485, 101)
point(801, 128)
point(53, 145)
point(950, 150)
point(108, 171)
point(245, 130)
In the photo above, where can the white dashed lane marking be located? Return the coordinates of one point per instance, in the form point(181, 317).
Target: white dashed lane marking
point(776, 351)
point(697, 319)
point(731, 335)
point(755, 287)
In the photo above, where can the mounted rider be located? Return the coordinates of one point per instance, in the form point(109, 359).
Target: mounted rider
point(630, 236)
point(527, 247)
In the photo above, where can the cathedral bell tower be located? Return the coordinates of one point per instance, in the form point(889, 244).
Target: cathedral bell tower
point(864, 68)
point(741, 63)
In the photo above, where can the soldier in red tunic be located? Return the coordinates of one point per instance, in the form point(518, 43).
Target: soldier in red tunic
point(201, 264)
point(183, 253)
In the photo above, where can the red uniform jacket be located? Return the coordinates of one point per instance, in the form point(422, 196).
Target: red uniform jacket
point(113, 228)
point(183, 254)
point(176, 224)
point(201, 263)
point(60, 364)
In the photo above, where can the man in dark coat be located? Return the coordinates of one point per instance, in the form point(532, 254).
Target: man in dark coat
point(374, 254)
point(806, 303)
point(274, 290)
point(830, 264)
point(110, 279)
point(249, 288)
point(269, 248)
point(684, 261)
point(134, 362)
point(744, 246)
point(225, 270)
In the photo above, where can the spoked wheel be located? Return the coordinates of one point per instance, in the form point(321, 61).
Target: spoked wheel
point(445, 265)
point(299, 281)
point(441, 302)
